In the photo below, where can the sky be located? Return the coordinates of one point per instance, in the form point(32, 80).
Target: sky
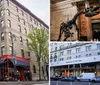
point(41, 8)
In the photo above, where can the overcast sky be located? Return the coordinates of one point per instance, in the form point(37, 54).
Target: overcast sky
point(41, 8)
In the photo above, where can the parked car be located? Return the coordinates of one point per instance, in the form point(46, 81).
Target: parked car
point(86, 77)
point(96, 79)
point(67, 79)
point(54, 77)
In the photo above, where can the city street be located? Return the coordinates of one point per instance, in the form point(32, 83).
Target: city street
point(25, 83)
point(72, 83)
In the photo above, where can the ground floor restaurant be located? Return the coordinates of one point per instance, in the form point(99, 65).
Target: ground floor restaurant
point(76, 69)
point(13, 69)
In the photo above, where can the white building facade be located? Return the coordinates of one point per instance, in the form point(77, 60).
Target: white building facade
point(74, 58)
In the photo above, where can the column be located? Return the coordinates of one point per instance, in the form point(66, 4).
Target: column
point(68, 70)
point(74, 70)
point(80, 69)
point(88, 23)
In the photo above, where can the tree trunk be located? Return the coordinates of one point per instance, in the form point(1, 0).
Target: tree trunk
point(39, 69)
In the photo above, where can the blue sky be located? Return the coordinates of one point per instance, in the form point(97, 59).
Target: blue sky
point(41, 8)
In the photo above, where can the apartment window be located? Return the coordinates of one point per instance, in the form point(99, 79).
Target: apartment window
point(68, 52)
point(2, 12)
point(55, 56)
point(7, 2)
point(51, 56)
point(34, 69)
point(2, 36)
point(98, 46)
point(61, 53)
point(2, 50)
point(78, 50)
point(8, 12)
point(88, 48)
point(9, 23)
point(22, 52)
point(10, 49)
point(21, 39)
point(27, 42)
point(10, 36)
point(22, 13)
point(55, 48)
point(16, 8)
point(31, 19)
point(19, 28)
point(23, 21)
point(25, 31)
point(28, 53)
point(18, 18)
point(2, 23)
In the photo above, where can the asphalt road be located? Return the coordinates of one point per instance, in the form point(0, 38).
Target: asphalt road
point(24, 83)
point(72, 83)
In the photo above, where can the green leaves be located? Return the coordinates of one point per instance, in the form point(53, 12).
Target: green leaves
point(39, 42)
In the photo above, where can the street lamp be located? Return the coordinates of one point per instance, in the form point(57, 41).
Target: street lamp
point(13, 38)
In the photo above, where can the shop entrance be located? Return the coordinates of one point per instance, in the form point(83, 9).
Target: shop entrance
point(9, 72)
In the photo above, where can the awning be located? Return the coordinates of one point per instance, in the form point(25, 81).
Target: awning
point(20, 63)
point(2, 61)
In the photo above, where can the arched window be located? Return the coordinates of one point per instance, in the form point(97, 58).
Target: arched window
point(8, 12)
point(2, 23)
point(18, 18)
point(19, 28)
point(2, 36)
point(25, 31)
point(24, 22)
point(2, 12)
point(9, 23)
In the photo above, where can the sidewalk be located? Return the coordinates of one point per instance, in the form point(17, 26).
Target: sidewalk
point(24, 82)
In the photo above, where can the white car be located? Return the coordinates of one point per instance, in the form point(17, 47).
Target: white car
point(96, 79)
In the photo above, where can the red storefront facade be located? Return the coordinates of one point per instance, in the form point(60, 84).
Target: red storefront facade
point(14, 69)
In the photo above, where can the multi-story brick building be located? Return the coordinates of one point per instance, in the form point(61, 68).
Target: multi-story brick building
point(64, 10)
point(16, 21)
point(74, 58)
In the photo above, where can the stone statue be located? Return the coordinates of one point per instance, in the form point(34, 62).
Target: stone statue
point(66, 27)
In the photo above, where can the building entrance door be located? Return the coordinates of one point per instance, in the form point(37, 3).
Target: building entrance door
point(96, 31)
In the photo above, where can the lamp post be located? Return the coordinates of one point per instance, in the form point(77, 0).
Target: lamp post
point(13, 54)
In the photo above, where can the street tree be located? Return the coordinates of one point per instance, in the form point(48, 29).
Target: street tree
point(38, 44)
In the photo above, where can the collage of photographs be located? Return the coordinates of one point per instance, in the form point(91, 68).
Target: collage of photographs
point(49, 42)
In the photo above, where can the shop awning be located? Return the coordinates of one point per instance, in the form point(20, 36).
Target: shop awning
point(2, 61)
point(20, 63)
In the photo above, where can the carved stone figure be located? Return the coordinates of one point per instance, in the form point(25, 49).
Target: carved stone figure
point(66, 27)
